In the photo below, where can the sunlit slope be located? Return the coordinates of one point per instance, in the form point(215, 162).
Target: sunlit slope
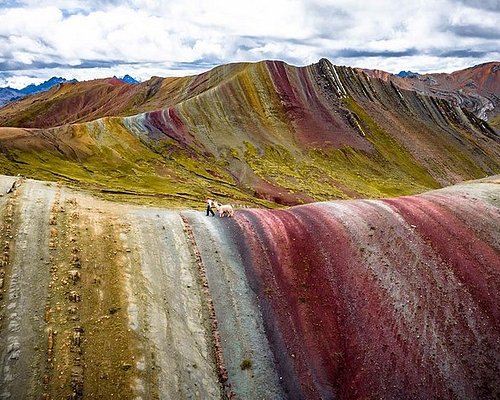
point(394, 299)
point(89, 100)
point(265, 132)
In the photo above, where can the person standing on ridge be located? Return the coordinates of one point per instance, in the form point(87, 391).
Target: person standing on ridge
point(210, 205)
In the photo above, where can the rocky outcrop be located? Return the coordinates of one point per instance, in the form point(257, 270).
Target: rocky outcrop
point(476, 89)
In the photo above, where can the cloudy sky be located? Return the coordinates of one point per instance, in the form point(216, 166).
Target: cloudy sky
point(99, 38)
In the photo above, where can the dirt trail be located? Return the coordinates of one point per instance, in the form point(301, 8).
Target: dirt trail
point(172, 312)
point(23, 334)
point(99, 300)
point(247, 355)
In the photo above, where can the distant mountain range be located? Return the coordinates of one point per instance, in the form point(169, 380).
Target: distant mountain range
point(8, 94)
point(405, 74)
point(42, 87)
point(128, 79)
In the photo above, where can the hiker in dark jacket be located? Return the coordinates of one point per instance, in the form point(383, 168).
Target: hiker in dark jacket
point(210, 205)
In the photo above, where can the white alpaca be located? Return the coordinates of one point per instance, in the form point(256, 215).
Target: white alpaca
point(225, 210)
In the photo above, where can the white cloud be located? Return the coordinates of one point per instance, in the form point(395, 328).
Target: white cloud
point(40, 37)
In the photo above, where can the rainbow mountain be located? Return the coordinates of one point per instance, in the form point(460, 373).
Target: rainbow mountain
point(250, 133)
point(350, 293)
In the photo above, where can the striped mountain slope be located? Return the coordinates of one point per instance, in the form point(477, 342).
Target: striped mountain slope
point(264, 133)
point(396, 298)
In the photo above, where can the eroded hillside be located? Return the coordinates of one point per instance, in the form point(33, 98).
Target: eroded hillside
point(392, 298)
point(477, 88)
point(264, 134)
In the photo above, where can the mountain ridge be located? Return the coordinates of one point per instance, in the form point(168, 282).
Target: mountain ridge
point(406, 82)
point(313, 301)
point(476, 88)
point(42, 87)
point(266, 132)
point(8, 94)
